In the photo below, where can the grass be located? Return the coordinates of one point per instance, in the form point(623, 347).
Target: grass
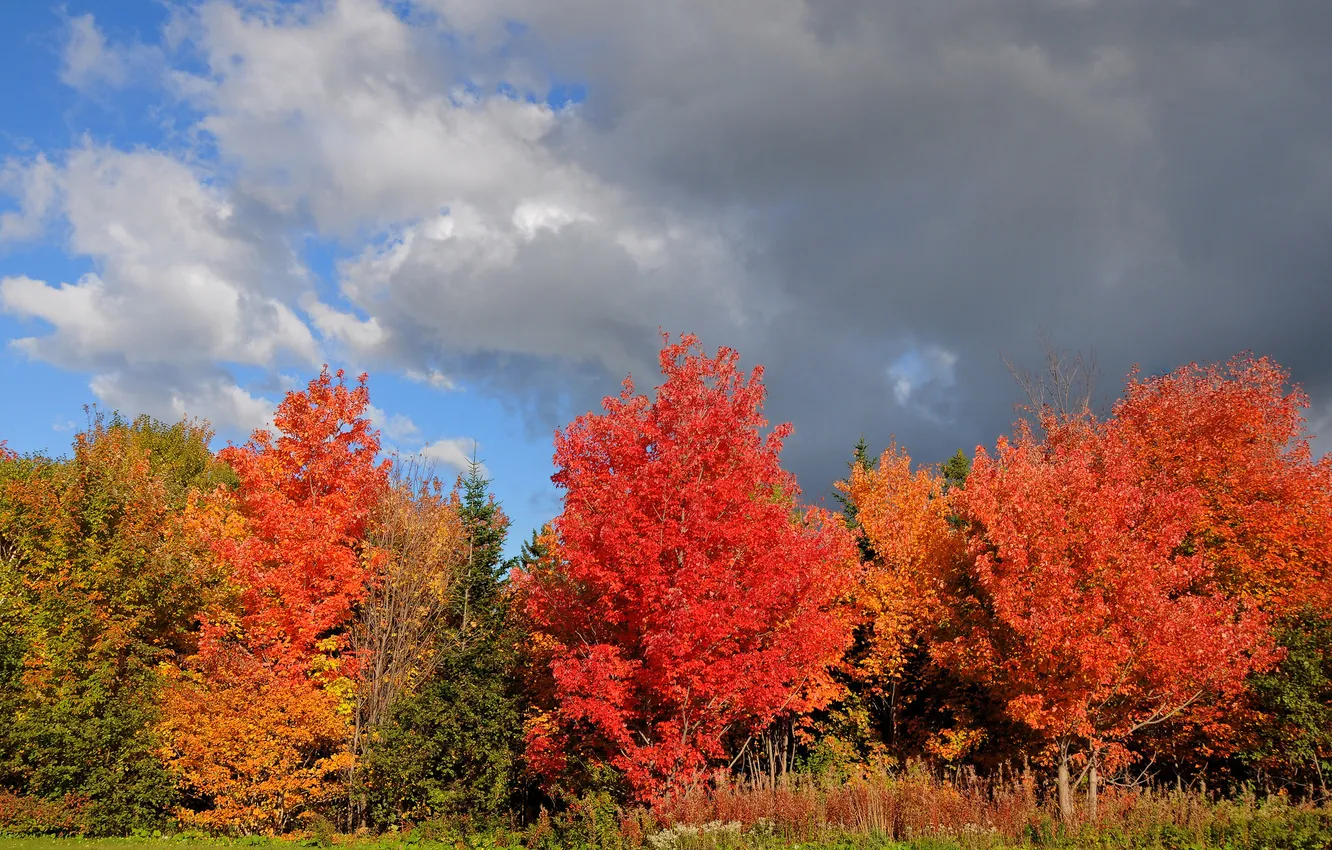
point(1283, 836)
point(847, 842)
point(9, 842)
point(915, 811)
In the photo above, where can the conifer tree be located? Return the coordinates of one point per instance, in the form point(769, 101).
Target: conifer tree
point(862, 459)
point(486, 528)
point(452, 746)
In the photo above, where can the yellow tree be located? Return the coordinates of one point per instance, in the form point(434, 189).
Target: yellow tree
point(254, 748)
point(904, 517)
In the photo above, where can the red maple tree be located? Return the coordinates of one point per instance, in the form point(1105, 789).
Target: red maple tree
point(689, 602)
point(305, 497)
point(1236, 434)
point(1083, 606)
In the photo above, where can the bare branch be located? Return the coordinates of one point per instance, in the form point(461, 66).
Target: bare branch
point(1066, 388)
point(418, 546)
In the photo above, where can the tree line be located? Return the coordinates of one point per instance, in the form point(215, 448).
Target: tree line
point(298, 630)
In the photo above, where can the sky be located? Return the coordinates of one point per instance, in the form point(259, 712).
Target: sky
point(495, 206)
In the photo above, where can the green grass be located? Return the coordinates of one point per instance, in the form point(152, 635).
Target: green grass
point(14, 842)
point(45, 843)
point(173, 843)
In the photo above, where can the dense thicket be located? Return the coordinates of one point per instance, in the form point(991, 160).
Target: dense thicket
point(301, 634)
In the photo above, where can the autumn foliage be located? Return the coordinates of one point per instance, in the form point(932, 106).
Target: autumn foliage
point(305, 498)
point(1100, 577)
point(1235, 434)
point(256, 732)
point(1083, 605)
point(256, 748)
point(297, 631)
point(690, 601)
point(906, 519)
point(101, 580)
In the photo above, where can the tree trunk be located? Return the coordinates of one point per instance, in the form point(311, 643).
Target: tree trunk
point(1065, 797)
point(892, 715)
point(1092, 789)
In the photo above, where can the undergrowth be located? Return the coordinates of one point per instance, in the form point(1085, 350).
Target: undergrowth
point(914, 811)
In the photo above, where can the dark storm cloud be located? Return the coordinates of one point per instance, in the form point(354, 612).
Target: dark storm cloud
point(876, 200)
point(1149, 180)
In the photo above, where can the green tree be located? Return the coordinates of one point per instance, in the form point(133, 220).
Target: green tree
point(100, 581)
point(955, 470)
point(486, 528)
point(1295, 699)
point(178, 455)
point(450, 748)
point(860, 456)
point(533, 551)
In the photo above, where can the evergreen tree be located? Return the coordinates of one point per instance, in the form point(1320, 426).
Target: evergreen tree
point(955, 470)
point(487, 528)
point(451, 747)
point(534, 550)
point(860, 456)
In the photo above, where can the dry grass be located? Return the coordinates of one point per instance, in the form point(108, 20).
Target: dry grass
point(973, 812)
point(902, 807)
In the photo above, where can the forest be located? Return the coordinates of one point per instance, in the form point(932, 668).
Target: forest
point(1107, 628)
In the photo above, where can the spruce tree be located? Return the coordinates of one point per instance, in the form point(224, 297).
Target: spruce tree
point(955, 470)
point(487, 529)
point(861, 457)
point(452, 747)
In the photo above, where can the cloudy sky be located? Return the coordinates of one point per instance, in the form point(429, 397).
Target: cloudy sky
point(493, 205)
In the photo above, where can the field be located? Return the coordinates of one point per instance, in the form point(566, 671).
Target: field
point(794, 820)
point(1294, 839)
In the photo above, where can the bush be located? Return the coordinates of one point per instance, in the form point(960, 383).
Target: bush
point(20, 815)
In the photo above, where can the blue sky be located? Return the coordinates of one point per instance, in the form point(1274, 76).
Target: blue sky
point(43, 114)
point(48, 117)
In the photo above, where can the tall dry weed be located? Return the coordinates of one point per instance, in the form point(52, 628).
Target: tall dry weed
point(978, 812)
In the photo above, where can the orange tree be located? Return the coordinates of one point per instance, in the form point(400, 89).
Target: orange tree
point(1235, 433)
point(256, 748)
point(272, 671)
point(911, 544)
point(1082, 604)
point(687, 601)
point(306, 496)
point(905, 518)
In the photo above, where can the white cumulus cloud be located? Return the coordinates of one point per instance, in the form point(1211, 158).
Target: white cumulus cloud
point(456, 453)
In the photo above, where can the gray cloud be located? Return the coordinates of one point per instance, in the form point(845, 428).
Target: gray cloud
point(1151, 180)
point(874, 199)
